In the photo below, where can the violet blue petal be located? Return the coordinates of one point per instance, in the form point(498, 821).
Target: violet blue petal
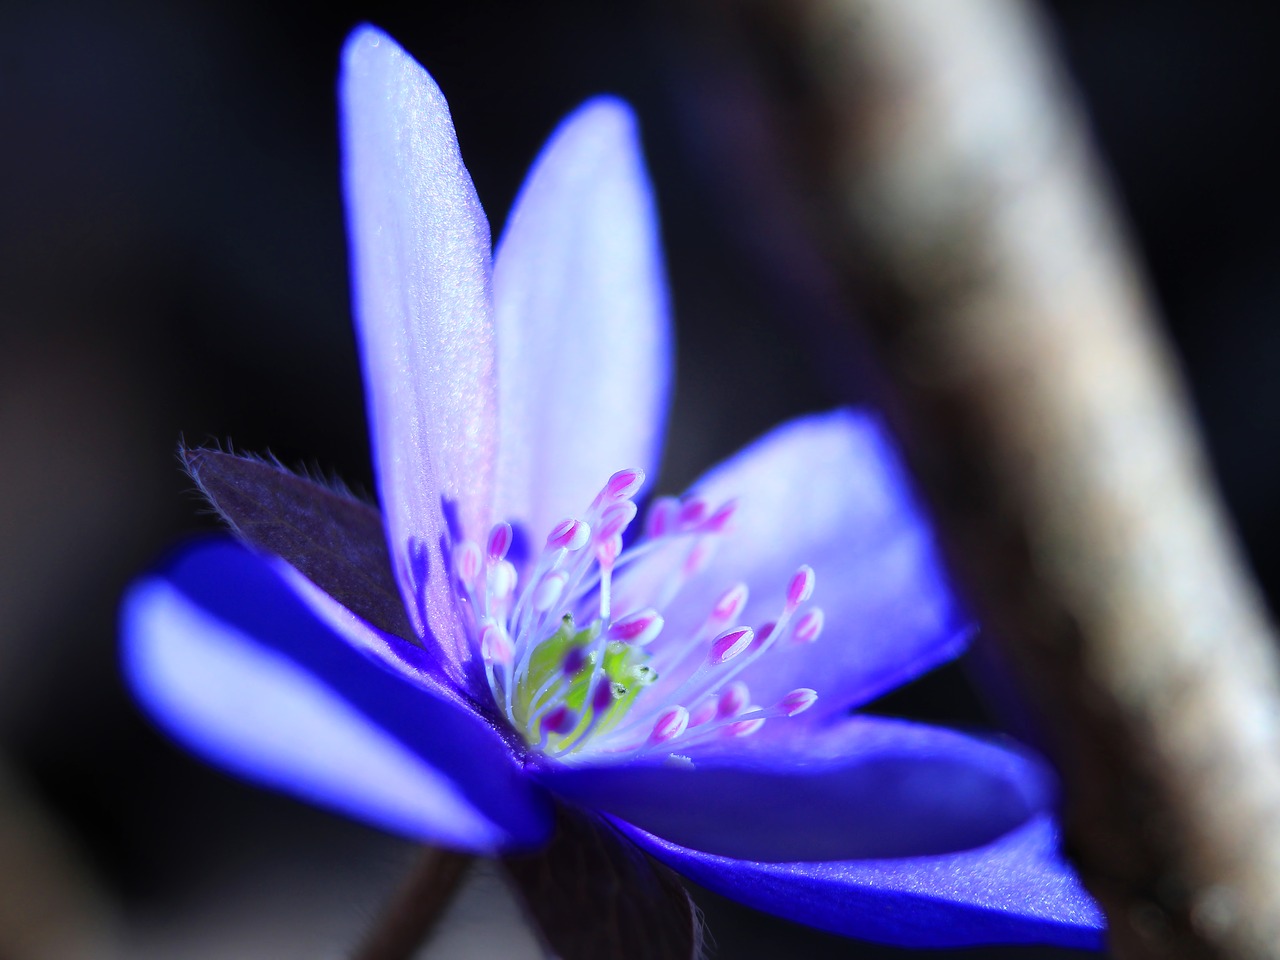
point(863, 787)
point(828, 490)
point(232, 661)
point(1016, 889)
point(420, 278)
point(583, 331)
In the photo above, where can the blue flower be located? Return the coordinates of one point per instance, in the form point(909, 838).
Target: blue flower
point(679, 680)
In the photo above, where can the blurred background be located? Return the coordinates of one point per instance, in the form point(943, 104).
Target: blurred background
point(172, 262)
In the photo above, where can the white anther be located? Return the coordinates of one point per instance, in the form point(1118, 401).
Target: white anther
point(495, 645)
point(502, 579)
point(548, 592)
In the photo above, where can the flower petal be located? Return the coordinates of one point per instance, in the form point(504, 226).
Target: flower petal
point(859, 788)
point(236, 664)
point(1016, 889)
point(583, 332)
point(592, 894)
point(420, 278)
point(829, 491)
point(334, 539)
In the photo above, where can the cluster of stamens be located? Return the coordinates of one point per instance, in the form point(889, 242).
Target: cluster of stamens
point(578, 678)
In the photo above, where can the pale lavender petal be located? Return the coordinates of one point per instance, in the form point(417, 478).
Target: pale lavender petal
point(828, 491)
point(583, 331)
point(420, 278)
point(235, 663)
point(1017, 889)
point(861, 788)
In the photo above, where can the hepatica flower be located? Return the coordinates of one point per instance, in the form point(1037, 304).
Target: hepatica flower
point(512, 635)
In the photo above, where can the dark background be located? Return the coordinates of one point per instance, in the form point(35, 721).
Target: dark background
point(172, 261)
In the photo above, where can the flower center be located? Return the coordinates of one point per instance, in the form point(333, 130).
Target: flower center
point(576, 655)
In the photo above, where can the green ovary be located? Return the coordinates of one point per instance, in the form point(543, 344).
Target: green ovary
point(625, 668)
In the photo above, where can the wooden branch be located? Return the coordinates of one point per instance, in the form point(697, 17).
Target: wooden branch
point(1049, 431)
point(410, 918)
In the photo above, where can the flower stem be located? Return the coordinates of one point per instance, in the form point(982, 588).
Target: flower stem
point(408, 920)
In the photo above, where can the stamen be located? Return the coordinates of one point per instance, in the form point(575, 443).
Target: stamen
point(692, 512)
point(502, 579)
point(705, 711)
point(569, 535)
point(616, 519)
point(662, 517)
point(639, 629)
point(548, 593)
point(544, 646)
point(673, 722)
point(719, 521)
point(745, 728)
point(467, 561)
point(624, 484)
point(800, 588)
point(499, 540)
point(733, 700)
point(798, 701)
point(495, 645)
point(730, 604)
point(809, 626)
point(698, 558)
point(729, 644)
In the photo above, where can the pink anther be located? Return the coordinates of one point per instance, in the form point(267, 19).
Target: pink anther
point(809, 626)
point(569, 535)
point(662, 517)
point(763, 634)
point(692, 512)
point(704, 711)
point(467, 561)
point(624, 484)
point(607, 551)
point(800, 588)
point(638, 629)
point(673, 722)
point(735, 698)
point(798, 701)
point(698, 558)
point(499, 540)
point(729, 644)
point(745, 728)
point(730, 604)
point(719, 521)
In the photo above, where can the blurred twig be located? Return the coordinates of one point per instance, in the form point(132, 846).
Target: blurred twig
point(1044, 418)
point(51, 908)
point(407, 922)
